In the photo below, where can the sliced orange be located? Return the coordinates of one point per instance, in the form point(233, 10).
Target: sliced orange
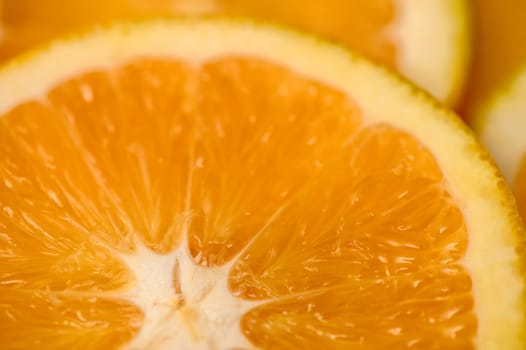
point(426, 41)
point(501, 124)
point(222, 185)
point(499, 49)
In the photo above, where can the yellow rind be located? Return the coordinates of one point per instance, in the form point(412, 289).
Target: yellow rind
point(501, 125)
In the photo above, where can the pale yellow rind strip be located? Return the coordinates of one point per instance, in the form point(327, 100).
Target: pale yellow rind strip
point(502, 126)
point(433, 39)
point(490, 215)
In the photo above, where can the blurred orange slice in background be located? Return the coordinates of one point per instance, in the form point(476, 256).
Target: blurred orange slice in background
point(221, 185)
point(501, 124)
point(428, 41)
point(499, 50)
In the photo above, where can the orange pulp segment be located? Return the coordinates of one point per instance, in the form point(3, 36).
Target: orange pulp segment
point(344, 231)
point(54, 320)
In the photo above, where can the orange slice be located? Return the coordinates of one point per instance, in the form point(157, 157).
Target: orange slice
point(221, 185)
point(501, 124)
point(499, 49)
point(428, 42)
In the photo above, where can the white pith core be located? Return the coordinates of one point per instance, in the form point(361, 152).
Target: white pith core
point(185, 305)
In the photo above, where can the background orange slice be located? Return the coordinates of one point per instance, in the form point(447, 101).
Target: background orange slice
point(428, 42)
point(501, 125)
point(499, 50)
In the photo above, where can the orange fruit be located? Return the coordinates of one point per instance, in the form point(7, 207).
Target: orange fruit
point(501, 124)
point(429, 43)
point(499, 49)
point(219, 184)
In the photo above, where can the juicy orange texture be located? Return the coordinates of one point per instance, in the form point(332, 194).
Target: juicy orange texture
point(346, 229)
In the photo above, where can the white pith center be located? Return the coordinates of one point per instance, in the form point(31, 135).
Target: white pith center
point(185, 306)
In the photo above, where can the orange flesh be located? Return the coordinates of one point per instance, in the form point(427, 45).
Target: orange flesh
point(347, 229)
point(362, 24)
point(520, 188)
